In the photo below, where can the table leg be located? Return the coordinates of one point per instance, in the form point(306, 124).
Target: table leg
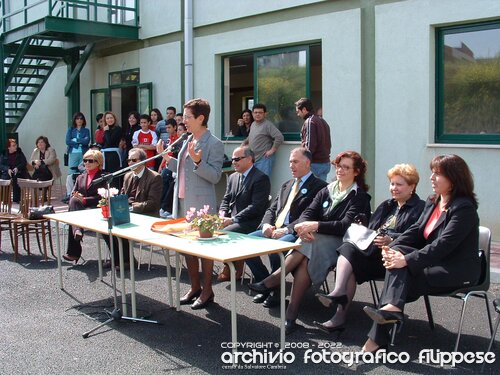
point(132, 278)
point(59, 262)
point(122, 275)
point(234, 323)
point(99, 255)
point(166, 253)
point(282, 302)
point(177, 282)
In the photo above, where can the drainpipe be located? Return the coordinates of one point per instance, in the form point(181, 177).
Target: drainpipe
point(188, 50)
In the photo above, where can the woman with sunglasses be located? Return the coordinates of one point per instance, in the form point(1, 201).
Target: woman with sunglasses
point(77, 139)
point(84, 196)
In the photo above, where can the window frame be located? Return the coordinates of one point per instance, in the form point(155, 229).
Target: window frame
point(439, 135)
point(295, 137)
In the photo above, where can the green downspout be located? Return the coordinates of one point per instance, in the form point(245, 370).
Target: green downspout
point(3, 132)
point(368, 99)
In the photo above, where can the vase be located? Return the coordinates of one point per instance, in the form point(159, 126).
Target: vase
point(105, 211)
point(205, 233)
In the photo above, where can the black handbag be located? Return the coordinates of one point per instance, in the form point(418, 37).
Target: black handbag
point(36, 213)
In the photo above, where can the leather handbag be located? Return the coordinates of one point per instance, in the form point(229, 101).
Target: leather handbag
point(36, 213)
point(360, 236)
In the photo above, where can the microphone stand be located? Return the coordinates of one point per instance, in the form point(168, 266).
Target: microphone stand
point(117, 314)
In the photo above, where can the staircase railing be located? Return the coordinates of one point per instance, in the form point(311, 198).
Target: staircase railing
point(122, 12)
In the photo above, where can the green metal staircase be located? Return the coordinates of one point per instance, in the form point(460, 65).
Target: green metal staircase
point(38, 35)
point(25, 76)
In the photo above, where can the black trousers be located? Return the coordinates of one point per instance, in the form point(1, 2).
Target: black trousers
point(74, 247)
point(400, 287)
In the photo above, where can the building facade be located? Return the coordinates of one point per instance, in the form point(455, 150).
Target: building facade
point(387, 75)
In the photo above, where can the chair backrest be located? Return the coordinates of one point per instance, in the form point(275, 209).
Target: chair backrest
point(110, 156)
point(5, 196)
point(34, 194)
point(485, 248)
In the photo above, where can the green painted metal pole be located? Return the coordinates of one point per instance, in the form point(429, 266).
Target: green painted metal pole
point(3, 125)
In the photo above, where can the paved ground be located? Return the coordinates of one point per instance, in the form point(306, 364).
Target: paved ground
point(41, 327)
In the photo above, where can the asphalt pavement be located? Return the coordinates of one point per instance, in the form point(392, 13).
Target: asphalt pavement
point(41, 328)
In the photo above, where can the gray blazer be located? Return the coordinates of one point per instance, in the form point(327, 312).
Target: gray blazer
point(200, 179)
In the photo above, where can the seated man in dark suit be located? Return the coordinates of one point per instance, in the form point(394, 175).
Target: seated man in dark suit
point(245, 200)
point(280, 218)
point(143, 187)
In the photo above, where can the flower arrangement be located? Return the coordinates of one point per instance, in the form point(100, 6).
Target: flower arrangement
point(103, 192)
point(203, 221)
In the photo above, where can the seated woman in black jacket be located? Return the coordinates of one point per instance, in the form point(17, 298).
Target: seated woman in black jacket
point(391, 218)
point(438, 254)
point(320, 230)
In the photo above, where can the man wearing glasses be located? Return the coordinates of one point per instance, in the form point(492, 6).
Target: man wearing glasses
point(143, 188)
point(142, 185)
point(245, 200)
point(264, 139)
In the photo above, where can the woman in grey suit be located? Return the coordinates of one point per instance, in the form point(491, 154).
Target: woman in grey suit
point(437, 254)
point(198, 168)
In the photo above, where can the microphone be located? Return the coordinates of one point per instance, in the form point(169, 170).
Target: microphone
point(176, 146)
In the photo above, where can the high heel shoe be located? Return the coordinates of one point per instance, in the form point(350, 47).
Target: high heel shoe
point(384, 316)
point(382, 347)
point(188, 299)
point(71, 258)
point(260, 287)
point(198, 304)
point(327, 329)
point(328, 300)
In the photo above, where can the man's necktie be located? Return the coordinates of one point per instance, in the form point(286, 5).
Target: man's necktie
point(283, 214)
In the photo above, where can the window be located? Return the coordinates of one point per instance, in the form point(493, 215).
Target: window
point(468, 84)
point(276, 78)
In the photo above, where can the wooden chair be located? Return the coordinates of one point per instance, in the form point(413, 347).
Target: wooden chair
point(33, 194)
point(6, 215)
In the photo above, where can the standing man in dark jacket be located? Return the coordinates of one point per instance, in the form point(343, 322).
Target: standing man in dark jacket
point(245, 200)
point(315, 136)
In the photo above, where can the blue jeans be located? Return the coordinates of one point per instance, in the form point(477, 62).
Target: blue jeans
point(256, 265)
point(320, 170)
point(265, 165)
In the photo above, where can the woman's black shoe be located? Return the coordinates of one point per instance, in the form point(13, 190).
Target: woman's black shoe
point(198, 304)
point(260, 287)
point(327, 329)
point(383, 316)
point(328, 300)
point(188, 299)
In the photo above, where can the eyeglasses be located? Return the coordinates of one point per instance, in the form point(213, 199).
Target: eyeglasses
point(345, 168)
point(258, 112)
point(238, 158)
point(89, 161)
point(187, 117)
point(132, 160)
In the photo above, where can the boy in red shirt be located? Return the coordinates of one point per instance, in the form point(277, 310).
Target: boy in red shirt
point(146, 139)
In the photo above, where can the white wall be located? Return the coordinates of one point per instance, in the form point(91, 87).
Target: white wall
point(340, 37)
point(158, 17)
point(405, 100)
point(47, 116)
point(214, 11)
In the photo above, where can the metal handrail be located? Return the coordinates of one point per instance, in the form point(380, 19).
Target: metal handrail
point(63, 10)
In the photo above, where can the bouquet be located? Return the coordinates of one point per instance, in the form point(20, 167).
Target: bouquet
point(203, 221)
point(103, 192)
